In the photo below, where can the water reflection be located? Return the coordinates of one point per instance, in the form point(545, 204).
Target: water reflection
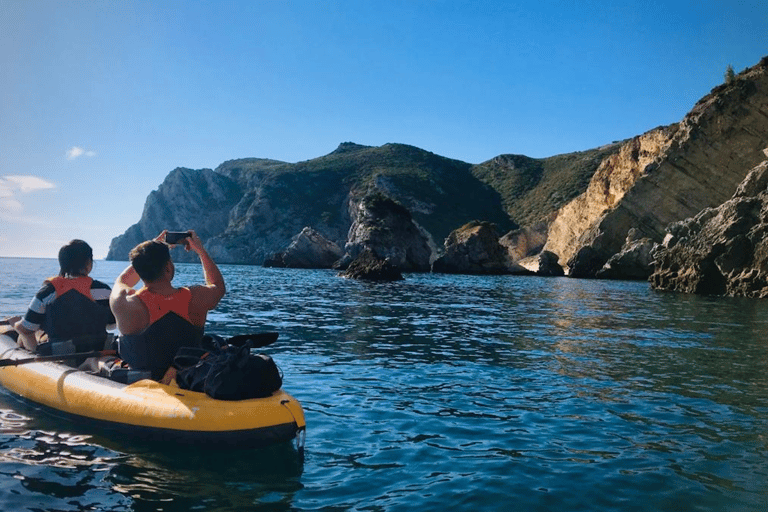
point(75, 463)
point(72, 468)
point(193, 478)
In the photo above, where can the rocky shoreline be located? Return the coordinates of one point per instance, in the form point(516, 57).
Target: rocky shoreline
point(681, 206)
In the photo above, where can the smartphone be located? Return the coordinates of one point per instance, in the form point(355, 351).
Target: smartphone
point(174, 237)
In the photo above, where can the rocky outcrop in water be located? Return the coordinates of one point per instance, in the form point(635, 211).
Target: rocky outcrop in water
point(723, 250)
point(527, 241)
point(548, 265)
point(387, 229)
point(634, 261)
point(473, 249)
point(308, 249)
point(668, 174)
point(368, 266)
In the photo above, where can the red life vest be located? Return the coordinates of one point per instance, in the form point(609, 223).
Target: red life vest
point(160, 305)
point(81, 284)
point(169, 329)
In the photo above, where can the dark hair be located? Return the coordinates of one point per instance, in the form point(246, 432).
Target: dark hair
point(74, 258)
point(149, 258)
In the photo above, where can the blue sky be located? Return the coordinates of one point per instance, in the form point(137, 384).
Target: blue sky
point(100, 100)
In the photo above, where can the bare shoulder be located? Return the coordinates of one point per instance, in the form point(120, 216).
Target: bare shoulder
point(129, 311)
point(122, 296)
point(125, 301)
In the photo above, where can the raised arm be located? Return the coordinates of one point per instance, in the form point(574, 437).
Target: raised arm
point(207, 296)
point(127, 279)
point(130, 314)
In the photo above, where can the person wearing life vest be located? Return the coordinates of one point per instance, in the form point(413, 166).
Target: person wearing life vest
point(70, 309)
point(158, 319)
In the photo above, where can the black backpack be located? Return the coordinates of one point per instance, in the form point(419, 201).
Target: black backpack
point(226, 371)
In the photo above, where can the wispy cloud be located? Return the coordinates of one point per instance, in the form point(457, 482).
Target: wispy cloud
point(77, 152)
point(12, 185)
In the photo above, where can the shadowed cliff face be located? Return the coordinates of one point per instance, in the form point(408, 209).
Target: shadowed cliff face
point(668, 174)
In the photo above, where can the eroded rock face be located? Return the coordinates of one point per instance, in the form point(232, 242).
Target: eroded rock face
point(575, 224)
point(666, 175)
point(634, 261)
point(473, 249)
point(308, 249)
point(723, 250)
point(388, 230)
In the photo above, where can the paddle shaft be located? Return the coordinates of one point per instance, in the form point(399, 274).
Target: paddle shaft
point(56, 357)
point(258, 340)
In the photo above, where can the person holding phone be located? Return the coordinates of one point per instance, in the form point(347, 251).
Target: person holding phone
point(159, 318)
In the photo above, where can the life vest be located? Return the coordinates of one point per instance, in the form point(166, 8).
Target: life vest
point(74, 317)
point(169, 329)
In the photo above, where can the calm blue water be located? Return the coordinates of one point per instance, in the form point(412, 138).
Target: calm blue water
point(443, 392)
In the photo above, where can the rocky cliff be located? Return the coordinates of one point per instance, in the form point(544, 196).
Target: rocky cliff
point(668, 174)
point(308, 249)
point(723, 250)
point(531, 189)
point(250, 209)
point(582, 207)
point(188, 199)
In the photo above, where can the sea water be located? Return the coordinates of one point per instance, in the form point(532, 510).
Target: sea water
point(441, 393)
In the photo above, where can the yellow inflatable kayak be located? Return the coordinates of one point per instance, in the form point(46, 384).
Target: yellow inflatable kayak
point(151, 410)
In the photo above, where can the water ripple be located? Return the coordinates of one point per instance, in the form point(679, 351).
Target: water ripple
point(454, 392)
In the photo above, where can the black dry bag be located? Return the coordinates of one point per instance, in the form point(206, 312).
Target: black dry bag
point(231, 373)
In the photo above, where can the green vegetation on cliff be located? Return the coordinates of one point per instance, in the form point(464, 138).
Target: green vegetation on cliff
point(533, 188)
point(440, 193)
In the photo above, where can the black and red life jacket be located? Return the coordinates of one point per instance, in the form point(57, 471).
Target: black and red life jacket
point(169, 329)
point(75, 316)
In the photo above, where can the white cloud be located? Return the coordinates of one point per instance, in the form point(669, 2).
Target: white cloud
point(24, 183)
point(12, 185)
point(9, 205)
point(75, 152)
